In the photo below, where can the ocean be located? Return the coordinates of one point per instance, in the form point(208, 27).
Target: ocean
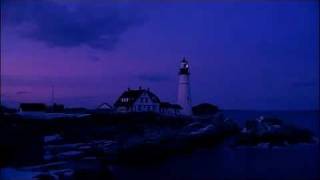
point(295, 162)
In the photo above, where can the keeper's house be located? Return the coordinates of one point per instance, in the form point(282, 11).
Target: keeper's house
point(143, 100)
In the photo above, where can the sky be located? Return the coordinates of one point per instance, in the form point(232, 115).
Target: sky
point(243, 55)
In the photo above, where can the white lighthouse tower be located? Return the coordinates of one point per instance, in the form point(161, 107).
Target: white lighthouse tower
point(184, 94)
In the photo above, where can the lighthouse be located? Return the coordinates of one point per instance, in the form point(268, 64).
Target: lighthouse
point(184, 94)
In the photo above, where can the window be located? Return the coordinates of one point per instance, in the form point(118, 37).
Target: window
point(124, 99)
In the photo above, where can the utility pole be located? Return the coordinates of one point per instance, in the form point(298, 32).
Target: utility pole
point(52, 95)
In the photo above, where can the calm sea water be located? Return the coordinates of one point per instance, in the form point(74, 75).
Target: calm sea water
point(296, 162)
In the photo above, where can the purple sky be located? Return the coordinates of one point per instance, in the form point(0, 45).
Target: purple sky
point(252, 55)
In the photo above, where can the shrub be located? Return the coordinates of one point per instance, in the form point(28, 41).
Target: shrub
point(205, 109)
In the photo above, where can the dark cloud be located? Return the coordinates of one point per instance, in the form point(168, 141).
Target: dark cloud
point(153, 77)
point(71, 24)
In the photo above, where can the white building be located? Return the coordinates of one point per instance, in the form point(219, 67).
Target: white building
point(184, 92)
point(143, 100)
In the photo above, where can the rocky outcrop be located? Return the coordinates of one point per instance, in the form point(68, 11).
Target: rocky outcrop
point(145, 141)
point(272, 132)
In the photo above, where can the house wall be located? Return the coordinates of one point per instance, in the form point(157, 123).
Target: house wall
point(145, 104)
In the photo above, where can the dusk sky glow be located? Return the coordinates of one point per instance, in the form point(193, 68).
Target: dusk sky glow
point(248, 55)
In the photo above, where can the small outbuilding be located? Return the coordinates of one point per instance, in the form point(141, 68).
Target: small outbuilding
point(170, 109)
point(33, 107)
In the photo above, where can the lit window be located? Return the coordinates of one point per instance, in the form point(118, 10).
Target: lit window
point(124, 99)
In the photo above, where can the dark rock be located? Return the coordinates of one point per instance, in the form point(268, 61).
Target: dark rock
point(273, 131)
point(44, 177)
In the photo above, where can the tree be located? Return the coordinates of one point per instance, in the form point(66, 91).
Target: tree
point(204, 109)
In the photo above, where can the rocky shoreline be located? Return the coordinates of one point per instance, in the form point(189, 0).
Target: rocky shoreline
point(107, 139)
point(63, 149)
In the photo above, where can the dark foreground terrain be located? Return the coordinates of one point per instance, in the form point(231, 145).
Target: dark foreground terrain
point(86, 147)
point(65, 147)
